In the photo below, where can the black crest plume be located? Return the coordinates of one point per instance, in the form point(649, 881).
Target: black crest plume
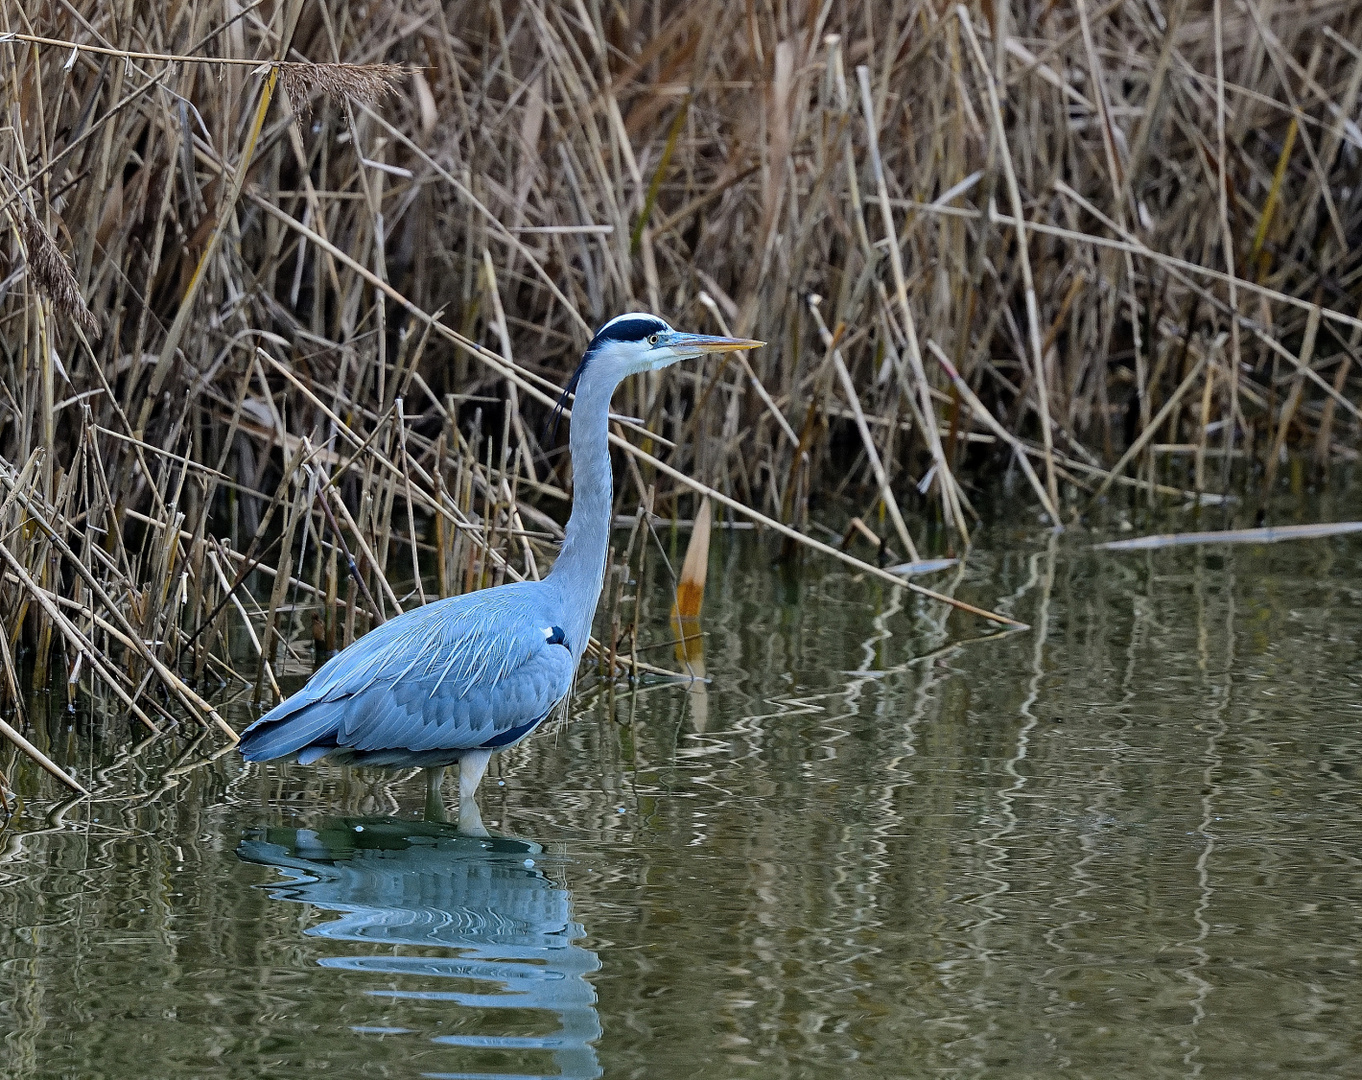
point(557, 414)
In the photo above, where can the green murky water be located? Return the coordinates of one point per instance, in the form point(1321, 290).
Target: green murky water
point(1122, 844)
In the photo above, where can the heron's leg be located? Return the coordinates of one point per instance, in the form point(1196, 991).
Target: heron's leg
point(435, 804)
point(471, 767)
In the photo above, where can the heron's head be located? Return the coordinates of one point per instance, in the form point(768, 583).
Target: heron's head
point(629, 344)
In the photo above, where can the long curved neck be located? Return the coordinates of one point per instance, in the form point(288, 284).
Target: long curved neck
point(580, 569)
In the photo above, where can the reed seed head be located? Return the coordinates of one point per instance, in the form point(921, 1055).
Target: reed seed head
point(363, 83)
point(50, 272)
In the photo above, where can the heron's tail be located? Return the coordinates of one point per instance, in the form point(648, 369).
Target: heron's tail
point(284, 731)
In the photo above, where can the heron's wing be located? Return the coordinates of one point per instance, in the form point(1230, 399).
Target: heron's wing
point(473, 671)
point(436, 710)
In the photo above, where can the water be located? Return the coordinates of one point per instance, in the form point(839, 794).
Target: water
point(1122, 844)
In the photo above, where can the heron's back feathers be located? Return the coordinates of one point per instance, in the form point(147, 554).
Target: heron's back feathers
point(474, 671)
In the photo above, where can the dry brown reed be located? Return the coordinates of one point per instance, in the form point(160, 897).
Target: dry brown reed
point(1126, 234)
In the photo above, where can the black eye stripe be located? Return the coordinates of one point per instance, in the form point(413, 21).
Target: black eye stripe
point(638, 329)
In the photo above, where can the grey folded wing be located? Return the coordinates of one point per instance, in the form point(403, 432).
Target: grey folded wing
point(480, 670)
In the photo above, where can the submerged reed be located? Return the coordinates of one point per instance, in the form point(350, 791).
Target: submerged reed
point(262, 363)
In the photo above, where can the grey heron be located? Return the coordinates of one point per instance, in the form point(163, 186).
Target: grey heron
point(457, 680)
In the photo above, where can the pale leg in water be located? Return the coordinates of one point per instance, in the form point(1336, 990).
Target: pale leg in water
point(435, 805)
point(471, 767)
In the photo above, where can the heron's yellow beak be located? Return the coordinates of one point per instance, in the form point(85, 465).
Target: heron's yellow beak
point(686, 345)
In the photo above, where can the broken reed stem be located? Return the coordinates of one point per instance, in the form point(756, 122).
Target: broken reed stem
point(195, 704)
point(245, 621)
point(949, 499)
point(1148, 433)
point(1226, 235)
point(77, 640)
point(872, 455)
point(225, 215)
point(985, 417)
point(1023, 254)
point(363, 82)
point(42, 759)
point(1131, 243)
point(771, 408)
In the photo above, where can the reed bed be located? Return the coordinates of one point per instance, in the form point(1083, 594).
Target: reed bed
point(291, 285)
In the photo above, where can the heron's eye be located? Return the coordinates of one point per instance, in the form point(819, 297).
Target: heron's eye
point(653, 339)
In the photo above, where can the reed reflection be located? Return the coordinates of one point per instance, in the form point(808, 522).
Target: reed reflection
point(446, 911)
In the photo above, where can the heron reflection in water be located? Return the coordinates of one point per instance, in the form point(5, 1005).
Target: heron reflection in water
point(507, 926)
